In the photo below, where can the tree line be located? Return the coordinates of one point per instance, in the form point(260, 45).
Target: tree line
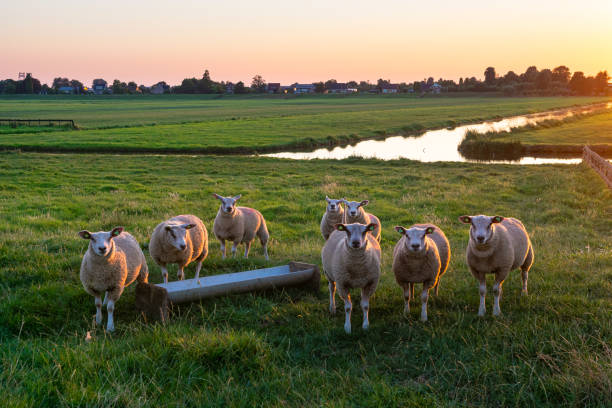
point(558, 81)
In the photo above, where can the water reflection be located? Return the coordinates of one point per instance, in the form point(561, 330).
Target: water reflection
point(441, 145)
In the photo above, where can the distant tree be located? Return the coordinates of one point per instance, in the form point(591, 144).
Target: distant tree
point(119, 87)
point(45, 89)
point(530, 75)
point(561, 74)
point(352, 84)
point(239, 88)
point(601, 82)
point(430, 81)
point(206, 85)
point(59, 82)
point(364, 86)
point(76, 85)
point(189, 86)
point(258, 84)
point(384, 83)
point(490, 76)
point(510, 77)
point(329, 83)
point(319, 87)
point(144, 89)
point(578, 84)
point(132, 87)
point(28, 84)
point(544, 79)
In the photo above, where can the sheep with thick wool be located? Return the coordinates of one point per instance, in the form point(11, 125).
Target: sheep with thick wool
point(334, 214)
point(420, 256)
point(351, 260)
point(355, 213)
point(180, 240)
point(497, 245)
point(239, 225)
point(112, 261)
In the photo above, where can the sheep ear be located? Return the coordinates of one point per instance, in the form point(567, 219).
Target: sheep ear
point(340, 227)
point(188, 226)
point(116, 232)
point(327, 199)
point(400, 229)
point(217, 196)
point(85, 234)
point(370, 227)
point(497, 219)
point(236, 198)
point(364, 203)
point(466, 219)
point(430, 230)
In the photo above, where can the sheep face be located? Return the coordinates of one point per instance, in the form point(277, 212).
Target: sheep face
point(228, 204)
point(175, 235)
point(352, 207)
point(482, 227)
point(415, 237)
point(356, 234)
point(101, 243)
point(333, 206)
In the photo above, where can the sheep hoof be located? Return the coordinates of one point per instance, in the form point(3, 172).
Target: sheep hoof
point(496, 312)
point(524, 292)
point(366, 325)
point(347, 328)
point(110, 328)
point(332, 310)
point(481, 312)
point(199, 282)
point(423, 318)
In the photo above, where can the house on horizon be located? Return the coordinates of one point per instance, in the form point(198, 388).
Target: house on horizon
point(65, 90)
point(389, 89)
point(229, 88)
point(160, 88)
point(303, 88)
point(273, 87)
point(99, 86)
point(337, 88)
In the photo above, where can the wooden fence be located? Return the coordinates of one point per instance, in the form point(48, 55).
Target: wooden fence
point(36, 122)
point(599, 164)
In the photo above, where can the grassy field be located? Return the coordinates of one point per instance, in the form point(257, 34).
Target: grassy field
point(246, 125)
point(282, 348)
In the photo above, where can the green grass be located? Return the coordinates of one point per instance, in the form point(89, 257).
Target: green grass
point(281, 348)
point(240, 125)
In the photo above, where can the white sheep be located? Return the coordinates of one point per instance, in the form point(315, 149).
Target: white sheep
point(355, 213)
point(239, 225)
point(180, 240)
point(334, 214)
point(351, 259)
point(420, 256)
point(112, 261)
point(497, 245)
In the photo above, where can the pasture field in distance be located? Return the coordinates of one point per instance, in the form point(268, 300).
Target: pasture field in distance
point(213, 124)
point(280, 348)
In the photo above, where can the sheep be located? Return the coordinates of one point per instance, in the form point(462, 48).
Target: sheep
point(239, 225)
point(420, 256)
point(351, 259)
point(355, 213)
point(112, 261)
point(497, 245)
point(180, 240)
point(334, 214)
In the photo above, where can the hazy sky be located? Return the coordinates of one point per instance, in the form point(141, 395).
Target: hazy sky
point(286, 41)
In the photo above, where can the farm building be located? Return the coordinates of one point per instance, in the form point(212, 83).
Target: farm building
point(160, 88)
point(303, 88)
point(391, 88)
point(65, 90)
point(273, 87)
point(99, 86)
point(337, 88)
point(229, 88)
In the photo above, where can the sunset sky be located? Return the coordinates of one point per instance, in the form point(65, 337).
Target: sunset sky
point(304, 41)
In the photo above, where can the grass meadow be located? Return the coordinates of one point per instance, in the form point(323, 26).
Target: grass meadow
point(204, 124)
point(282, 348)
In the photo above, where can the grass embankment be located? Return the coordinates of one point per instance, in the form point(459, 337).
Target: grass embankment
point(251, 125)
point(560, 138)
point(282, 348)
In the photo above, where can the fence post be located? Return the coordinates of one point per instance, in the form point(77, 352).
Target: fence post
point(599, 164)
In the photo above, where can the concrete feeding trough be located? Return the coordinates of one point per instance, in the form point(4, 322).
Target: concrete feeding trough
point(155, 302)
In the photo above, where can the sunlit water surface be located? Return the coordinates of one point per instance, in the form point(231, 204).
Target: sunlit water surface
point(441, 145)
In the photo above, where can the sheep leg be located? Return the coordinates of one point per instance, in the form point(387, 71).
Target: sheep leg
point(105, 301)
point(436, 287)
point(332, 297)
point(247, 247)
point(366, 292)
point(222, 244)
point(165, 273)
point(524, 277)
point(98, 302)
point(265, 249)
point(348, 307)
point(406, 287)
point(497, 292)
point(482, 309)
point(424, 297)
point(110, 308)
point(180, 274)
point(411, 290)
point(197, 274)
point(234, 248)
